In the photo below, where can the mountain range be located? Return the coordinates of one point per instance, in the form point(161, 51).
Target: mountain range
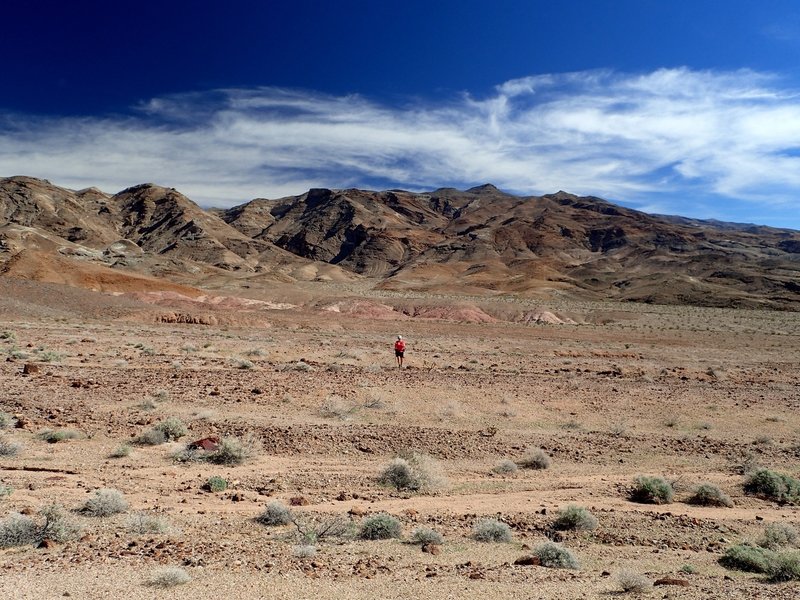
point(481, 241)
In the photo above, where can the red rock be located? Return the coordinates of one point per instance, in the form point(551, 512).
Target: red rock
point(528, 560)
point(433, 549)
point(298, 501)
point(357, 511)
point(30, 369)
point(209, 444)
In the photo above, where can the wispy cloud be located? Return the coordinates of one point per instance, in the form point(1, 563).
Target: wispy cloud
point(669, 133)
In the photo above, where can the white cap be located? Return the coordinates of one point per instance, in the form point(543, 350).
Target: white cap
point(399, 337)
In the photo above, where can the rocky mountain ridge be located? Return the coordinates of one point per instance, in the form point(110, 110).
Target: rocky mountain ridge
point(478, 241)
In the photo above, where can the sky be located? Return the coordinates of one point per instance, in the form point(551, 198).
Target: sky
point(672, 107)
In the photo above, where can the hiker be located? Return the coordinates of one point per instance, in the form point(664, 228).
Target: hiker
point(399, 350)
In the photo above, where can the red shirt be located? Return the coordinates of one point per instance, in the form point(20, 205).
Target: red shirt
point(400, 345)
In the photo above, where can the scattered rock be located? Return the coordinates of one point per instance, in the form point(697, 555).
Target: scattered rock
point(357, 511)
point(30, 369)
point(528, 560)
point(298, 501)
point(671, 581)
point(433, 549)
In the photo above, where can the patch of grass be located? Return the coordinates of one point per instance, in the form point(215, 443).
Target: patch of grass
point(104, 503)
point(121, 451)
point(505, 467)
point(651, 490)
point(555, 556)
point(6, 420)
point(53, 436)
point(744, 557)
point(243, 364)
point(144, 523)
point(275, 514)
point(688, 569)
point(9, 449)
point(335, 407)
point(575, 518)
point(491, 530)
point(772, 485)
point(5, 490)
point(413, 472)
point(535, 458)
point(168, 577)
point(8, 335)
point(708, 494)
point(633, 583)
point(426, 535)
point(779, 535)
point(313, 529)
point(381, 526)
point(50, 356)
point(215, 483)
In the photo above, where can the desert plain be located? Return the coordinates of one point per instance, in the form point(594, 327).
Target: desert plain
point(307, 377)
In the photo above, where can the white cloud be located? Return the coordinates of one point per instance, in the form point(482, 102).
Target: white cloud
point(622, 136)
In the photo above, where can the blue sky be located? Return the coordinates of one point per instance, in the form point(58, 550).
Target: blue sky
point(688, 108)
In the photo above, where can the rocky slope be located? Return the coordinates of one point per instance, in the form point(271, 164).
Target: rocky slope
point(481, 240)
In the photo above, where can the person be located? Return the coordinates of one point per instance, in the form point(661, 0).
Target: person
point(399, 351)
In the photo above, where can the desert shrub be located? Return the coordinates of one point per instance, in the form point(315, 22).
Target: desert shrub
point(304, 551)
point(708, 494)
point(276, 513)
point(53, 436)
point(555, 556)
point(381, 526)
point(50, 356)
point(505, 467)
point(744, 557)
point(335, 407)
point(5, 490)
point(313, 529)
point(575, 517)
point(151, 437)
point(632, 582)
point(172, 428)
point(491, 530)
point(8, 335)
point(104, 503)
point(9, 448)
point(233, 451)
point(143, 523)
point(255, 352)
point(215, 483)
point(167, 577)
point(779, 535)
point(244, 364)
point(121, 451)
point(535, 458)
point(18, 530)
point(688, 569)
point(651, 490)
point(5, 420)
point(771, 485)
point(21, 530)
point(300, 365)
point(413, 472)
point(58, 524)
point(426, 535)
point(785, 566)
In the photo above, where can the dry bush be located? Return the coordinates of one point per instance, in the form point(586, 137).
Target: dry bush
point(555, 556)
point(104, 503)
point(632, 582)
point(491, 530)
point(575, 518)
point(53, 436)
point(505, 467)
point(651, 490)
point(535, 458)
point(413, 472)
point(708, 494)
point(144, 523)
point(167, 577)
point(381, 526)
point(779, 535)
point(9, 449)
point(276, 513)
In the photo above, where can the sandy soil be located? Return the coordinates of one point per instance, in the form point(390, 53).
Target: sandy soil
point(688, 394)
